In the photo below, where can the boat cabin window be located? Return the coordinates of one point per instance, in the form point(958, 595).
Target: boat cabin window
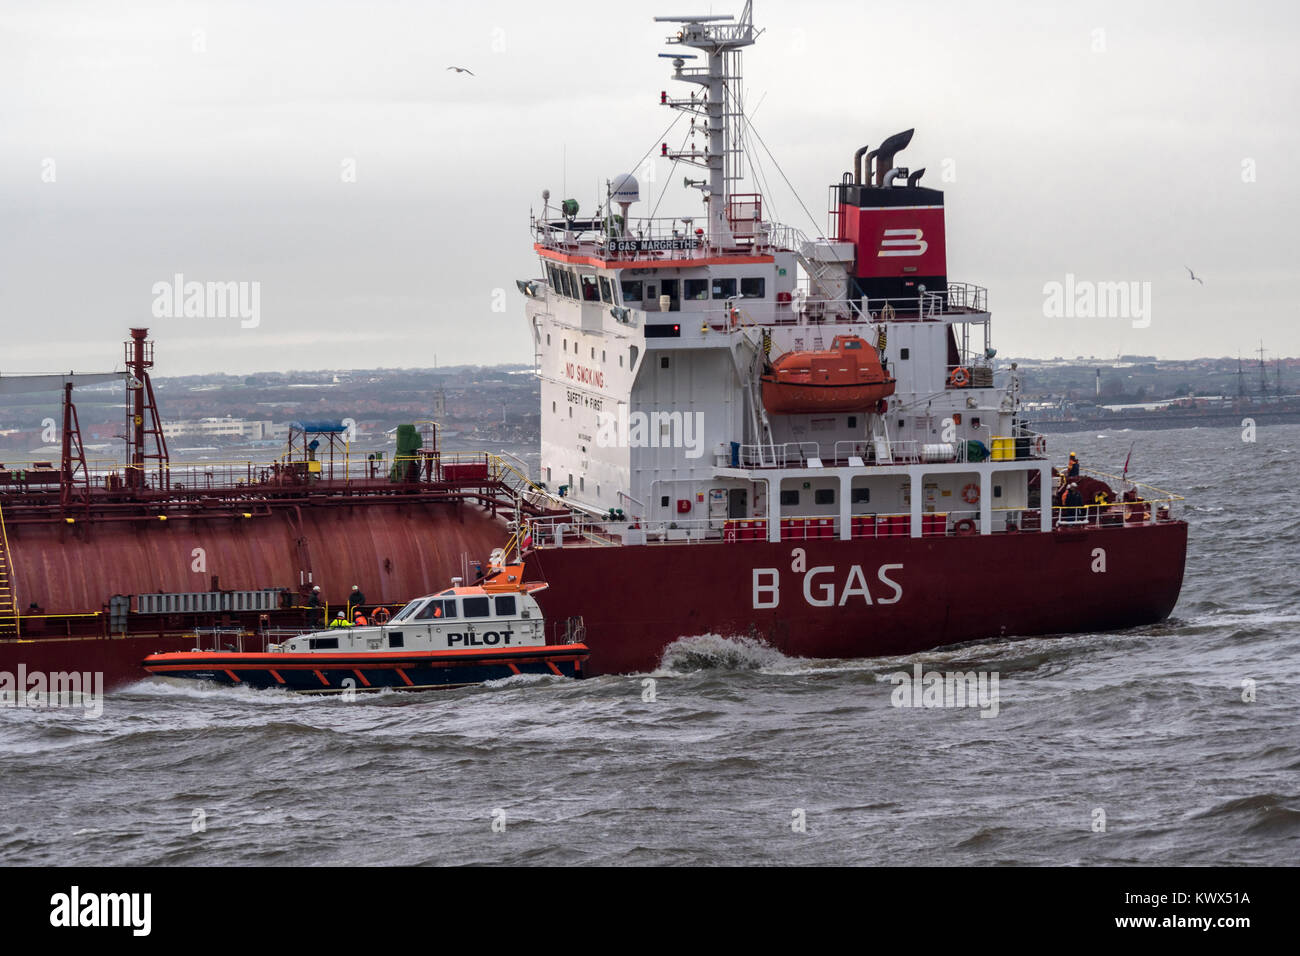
point(436, 610)
point(724, 288)
point(505, 605)
point(753, 288)
point(697, 289)
point(851, 344)
point(631, 291)
point(476, 607)
point(589, 292)
point(551, 278)
point(570, 283)
point(824, 496)
point(324, 643)
point(789, 498)
point(396, 640)
point(606, 291)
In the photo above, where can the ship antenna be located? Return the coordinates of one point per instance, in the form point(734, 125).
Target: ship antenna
point(720, 40)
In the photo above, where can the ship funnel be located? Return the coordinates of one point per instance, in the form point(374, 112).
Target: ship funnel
point(857, 165)
point(885, 155)
point(915, 178)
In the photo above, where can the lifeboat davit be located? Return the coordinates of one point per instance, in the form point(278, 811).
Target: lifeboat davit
point(847, 377)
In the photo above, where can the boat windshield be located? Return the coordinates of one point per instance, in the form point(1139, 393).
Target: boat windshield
point(406, 613)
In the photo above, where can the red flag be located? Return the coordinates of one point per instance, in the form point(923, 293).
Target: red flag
point(1126, 460)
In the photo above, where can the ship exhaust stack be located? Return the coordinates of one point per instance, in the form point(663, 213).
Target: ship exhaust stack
point(888, 149)
point(857, 164)
point(896, 227)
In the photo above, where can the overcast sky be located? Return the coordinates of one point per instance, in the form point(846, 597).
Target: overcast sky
point(1117, 142)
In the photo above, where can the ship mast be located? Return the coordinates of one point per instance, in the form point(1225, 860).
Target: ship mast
point(721, 42)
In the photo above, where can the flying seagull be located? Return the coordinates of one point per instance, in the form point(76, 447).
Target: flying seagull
point(1193, 274)
point(461, 69)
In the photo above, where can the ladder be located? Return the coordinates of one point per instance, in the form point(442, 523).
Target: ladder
point(758, 416)
point(9, 626)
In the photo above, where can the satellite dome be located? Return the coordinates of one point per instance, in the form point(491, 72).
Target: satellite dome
point(625, 189)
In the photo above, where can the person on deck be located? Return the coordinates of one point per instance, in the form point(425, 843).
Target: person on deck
point(355, 599)
point(1073, 470)
point(315, 610)
point(1073, 504)
point(340, 621)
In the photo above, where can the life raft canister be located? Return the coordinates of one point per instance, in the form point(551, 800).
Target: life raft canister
point(380, 615)
point(971, 494)
point(960, 377)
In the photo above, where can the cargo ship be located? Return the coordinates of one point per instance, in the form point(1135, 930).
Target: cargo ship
point(745, 431)
point(801, 439)
point(105, 562)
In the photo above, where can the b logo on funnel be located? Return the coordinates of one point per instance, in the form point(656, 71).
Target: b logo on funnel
point(908, 243)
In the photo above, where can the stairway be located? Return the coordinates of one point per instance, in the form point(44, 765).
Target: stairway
point(9, 626)
point(513, 476)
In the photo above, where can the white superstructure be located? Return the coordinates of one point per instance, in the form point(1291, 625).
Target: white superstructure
point(652, 336)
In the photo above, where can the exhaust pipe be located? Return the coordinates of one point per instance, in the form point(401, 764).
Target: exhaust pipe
point(915, 178)
point(857, 165)
point(891, 146)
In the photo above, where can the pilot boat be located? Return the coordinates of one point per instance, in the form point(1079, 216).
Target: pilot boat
point(458, 636)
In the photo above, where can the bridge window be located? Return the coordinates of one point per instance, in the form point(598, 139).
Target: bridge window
point(606, 291)
point(697, 289)
point(505, 605)
point(589, 291)
point(724, 288)
point(753, 288)
point(631, 291)
point(475, 606)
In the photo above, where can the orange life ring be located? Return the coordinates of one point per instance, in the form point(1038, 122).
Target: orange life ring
point(971, 494)
point(960, 377)
point(964, 527)
point(380, 615)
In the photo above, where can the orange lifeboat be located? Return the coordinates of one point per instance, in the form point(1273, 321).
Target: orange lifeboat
point(847, 377)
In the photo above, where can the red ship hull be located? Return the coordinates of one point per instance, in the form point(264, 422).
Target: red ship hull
point(921, 593)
